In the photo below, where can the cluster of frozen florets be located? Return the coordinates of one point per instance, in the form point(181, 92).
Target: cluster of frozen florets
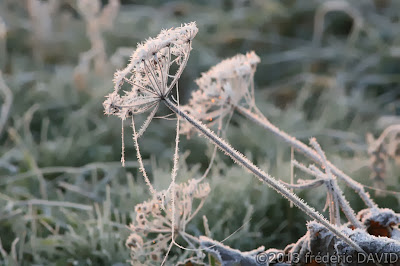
point(152, 230)
point(147, 78)
point(227, 83)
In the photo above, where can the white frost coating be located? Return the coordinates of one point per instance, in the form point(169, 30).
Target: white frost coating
point(384, 216)
point(369, 243)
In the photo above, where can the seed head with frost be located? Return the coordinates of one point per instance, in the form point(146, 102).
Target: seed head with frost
point(148, 78)
point(152, 230)
point(227, 83)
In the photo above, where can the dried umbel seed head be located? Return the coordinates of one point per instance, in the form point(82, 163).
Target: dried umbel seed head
point(224, 85)
point(147, 79)
point(152, 228)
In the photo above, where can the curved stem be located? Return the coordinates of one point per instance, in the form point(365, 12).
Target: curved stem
point(241, 160)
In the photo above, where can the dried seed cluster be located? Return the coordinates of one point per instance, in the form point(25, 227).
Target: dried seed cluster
point(225, 84)
point(147, 79)
point(152, 230)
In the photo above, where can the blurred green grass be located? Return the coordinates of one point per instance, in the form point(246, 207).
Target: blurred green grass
point(337, 90)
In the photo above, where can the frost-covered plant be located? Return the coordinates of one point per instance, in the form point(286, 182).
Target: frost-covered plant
point(318, 241)
point(223, 86)
point(147, 79)
point(35, 140)
point(335, 200)
point(148, 74)
point(152, 230)
point(257, 117)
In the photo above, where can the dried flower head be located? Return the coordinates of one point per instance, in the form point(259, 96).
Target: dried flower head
point(224, 85)
point(147, 78)
point(152, 230)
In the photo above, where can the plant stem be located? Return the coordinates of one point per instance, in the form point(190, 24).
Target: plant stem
point(241, 160)
point(334, 189)
point(307, 151)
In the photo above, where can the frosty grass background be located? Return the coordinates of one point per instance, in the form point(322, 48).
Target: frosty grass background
point(64, 197)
